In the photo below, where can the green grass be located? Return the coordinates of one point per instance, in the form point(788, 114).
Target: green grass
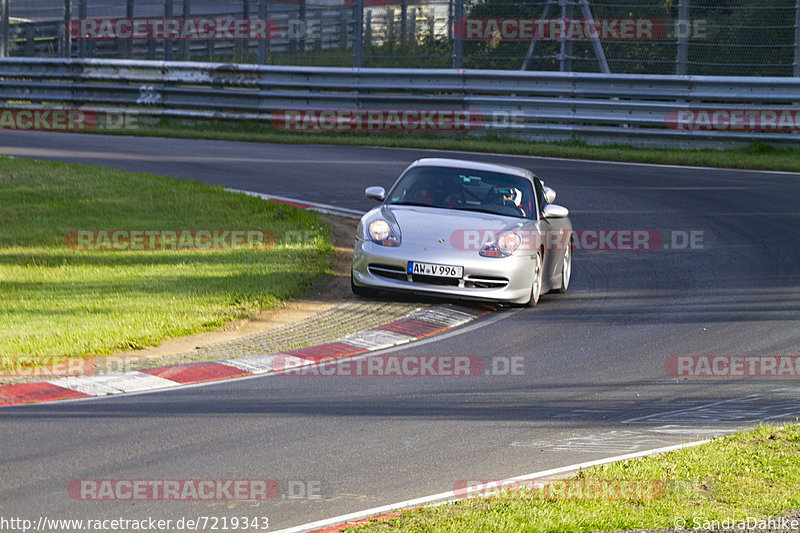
point(59, 301)
point(750, 474)
point(755, 156)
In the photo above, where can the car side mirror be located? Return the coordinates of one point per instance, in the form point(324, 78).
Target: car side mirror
point(555, 211)
point(375, 193)
point(550, 195)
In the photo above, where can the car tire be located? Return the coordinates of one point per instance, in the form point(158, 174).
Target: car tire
point(536, 285)
point(566, 270)
point(364, 292)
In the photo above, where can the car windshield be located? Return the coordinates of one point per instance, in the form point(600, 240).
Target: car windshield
point(465, 189)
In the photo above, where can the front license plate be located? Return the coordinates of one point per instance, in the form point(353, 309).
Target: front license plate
point(432, 269)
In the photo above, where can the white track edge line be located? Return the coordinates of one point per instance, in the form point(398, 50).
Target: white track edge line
point(327, 208)
point(450, 496)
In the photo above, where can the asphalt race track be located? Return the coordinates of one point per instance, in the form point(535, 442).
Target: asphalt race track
point(593, 382)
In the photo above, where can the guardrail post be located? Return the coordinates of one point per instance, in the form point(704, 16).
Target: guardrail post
point(796, 69)
point(682, 31)
point(458, 48)
point(167, 43)
point(82, 41)
point(66, 41)
point(358, 33)
point(4, 27)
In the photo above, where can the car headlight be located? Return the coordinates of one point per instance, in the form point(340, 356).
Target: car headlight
point(503, 246)
point(381, 232)
point(509, 242)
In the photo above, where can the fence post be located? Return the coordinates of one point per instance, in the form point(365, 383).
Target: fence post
point(186, 50)
point(243, 46)
point(403, 21)
point(262, 44)
point(129, 15)
point(4, 27)
point(796, 70)
point(458, 48)
point(66, 42)
point(368, 29)
point(302, 42)
point(30, 40)
point(565, 55)
point(682, 31)
point(343, 32)
point(358, 33)
point(82, 41)
point(167, 43)
point(412, 27)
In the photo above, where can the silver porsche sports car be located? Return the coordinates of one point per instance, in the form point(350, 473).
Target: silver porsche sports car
point(464, 229)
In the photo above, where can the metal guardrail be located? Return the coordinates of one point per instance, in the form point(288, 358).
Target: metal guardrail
point(596, 108)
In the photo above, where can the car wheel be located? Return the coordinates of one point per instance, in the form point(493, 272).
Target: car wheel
point(536, 286)
point(566, 270)
point(364, 292)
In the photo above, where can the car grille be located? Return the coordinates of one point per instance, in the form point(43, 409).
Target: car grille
point(473, 282)
point(485, 282)
point(388, 271)
point(435, 280)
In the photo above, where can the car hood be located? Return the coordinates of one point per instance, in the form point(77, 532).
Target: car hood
point(424, 225)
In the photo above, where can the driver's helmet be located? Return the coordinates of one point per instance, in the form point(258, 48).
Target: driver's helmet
point(510, 194)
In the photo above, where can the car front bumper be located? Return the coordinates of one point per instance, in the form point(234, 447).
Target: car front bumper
point(506, 279)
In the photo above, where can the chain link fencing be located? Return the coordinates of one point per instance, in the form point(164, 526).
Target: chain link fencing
point(694, 37)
